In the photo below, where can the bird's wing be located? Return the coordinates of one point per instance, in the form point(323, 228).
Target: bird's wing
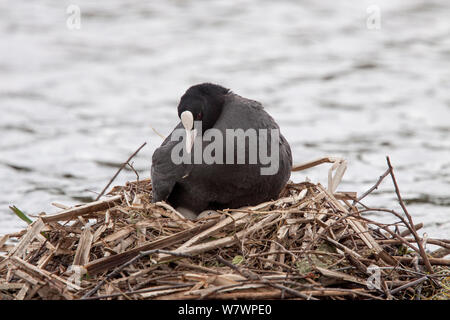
point(287, 149)
point(164, 172)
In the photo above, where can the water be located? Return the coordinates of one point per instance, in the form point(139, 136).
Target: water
point(76, 103)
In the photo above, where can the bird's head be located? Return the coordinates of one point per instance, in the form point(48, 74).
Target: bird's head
point(202, 102)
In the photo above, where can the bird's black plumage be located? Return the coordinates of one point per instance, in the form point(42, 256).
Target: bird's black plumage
point(199, 187)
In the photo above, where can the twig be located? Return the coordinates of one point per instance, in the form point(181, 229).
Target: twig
point(410, 284)
point(393, 234)
point(181, 285)
point(135, 172)
point(120, 169)
point(248, 274)
point(407, 232)
point(440, 253)
point(434, 261)
point(159, 134)
point(436, 242)
point(375, 186)
point(84, 209)
point(411, 223)
point(120, 268)
point(252, 276)
point(310, 164)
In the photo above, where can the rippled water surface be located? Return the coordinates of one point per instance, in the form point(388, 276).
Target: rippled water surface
point(74, 104)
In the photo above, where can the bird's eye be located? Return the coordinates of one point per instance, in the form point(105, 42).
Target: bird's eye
point(199, 116)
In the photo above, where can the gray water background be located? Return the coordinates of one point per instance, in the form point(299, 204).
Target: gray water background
point(74, 104)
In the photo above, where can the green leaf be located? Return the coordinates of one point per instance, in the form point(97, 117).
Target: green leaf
point(237, 260)
point(20, 214)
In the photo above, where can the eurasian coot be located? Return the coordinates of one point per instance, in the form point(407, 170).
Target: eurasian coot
point(230, 155)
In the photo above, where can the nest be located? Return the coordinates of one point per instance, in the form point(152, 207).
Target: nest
point(311, 243)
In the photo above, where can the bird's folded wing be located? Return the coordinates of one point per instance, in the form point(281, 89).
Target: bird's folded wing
point(165, 173)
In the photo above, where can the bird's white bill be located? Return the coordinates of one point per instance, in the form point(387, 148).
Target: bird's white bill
point(187, 119)
point(190, 138)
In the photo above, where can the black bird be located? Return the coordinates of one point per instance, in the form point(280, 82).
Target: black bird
point(193, 188)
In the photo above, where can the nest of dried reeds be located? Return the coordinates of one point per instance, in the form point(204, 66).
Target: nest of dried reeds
point(311, 243)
